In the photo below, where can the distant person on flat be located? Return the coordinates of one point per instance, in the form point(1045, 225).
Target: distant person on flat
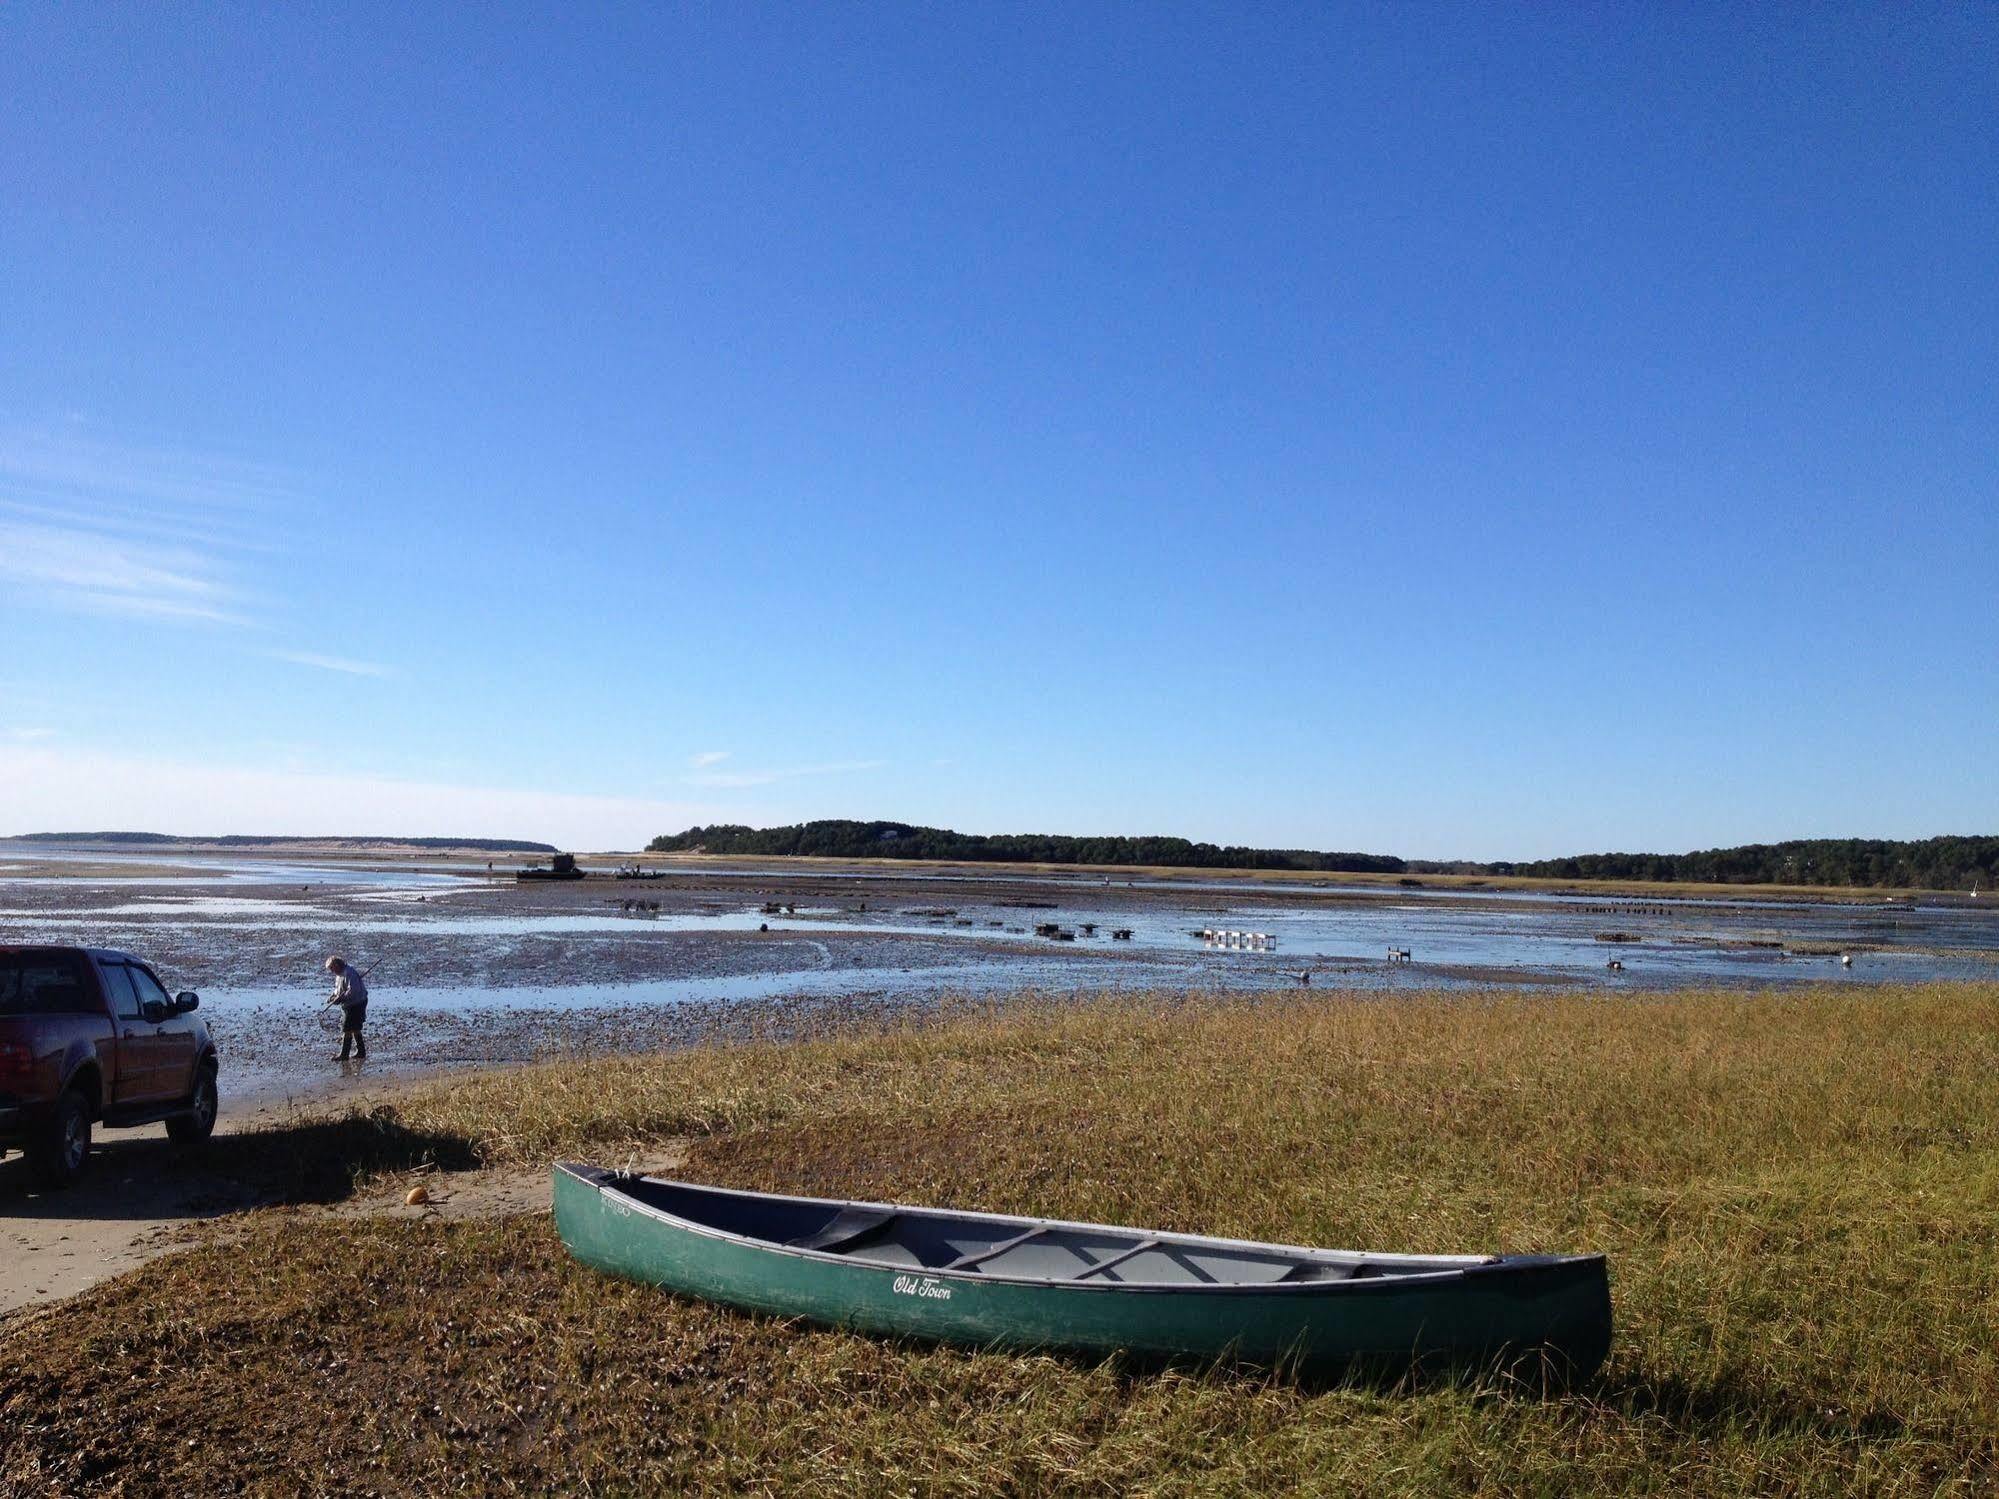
point(350, 992)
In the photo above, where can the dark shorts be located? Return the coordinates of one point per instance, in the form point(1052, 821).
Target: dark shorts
point(351, 1017)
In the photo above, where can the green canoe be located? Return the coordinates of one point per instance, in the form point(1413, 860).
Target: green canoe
point(1033, 1283)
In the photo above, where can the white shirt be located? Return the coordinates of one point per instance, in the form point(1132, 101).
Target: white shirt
point(349, 989)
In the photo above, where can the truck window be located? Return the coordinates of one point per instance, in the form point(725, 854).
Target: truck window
point(148, 987)
point(124, 998)
point(45, 983)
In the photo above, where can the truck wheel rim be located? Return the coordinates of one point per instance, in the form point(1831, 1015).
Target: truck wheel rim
point(204, 1106)
point(73, 1143)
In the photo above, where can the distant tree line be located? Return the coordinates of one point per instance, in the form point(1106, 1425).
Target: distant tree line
point(838, 839)
point(251, 840)
point(1950, 863)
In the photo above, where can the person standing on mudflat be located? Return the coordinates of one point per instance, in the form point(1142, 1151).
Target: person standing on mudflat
point(350, 992)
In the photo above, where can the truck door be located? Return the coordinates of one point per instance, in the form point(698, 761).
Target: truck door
point(135, 1080)
point(173, 1038)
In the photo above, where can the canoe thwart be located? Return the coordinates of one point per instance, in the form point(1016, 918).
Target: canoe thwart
point(994, 1251)
point(1117, 1259)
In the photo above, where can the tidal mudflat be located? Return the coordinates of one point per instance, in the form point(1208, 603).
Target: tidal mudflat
point(473, 969)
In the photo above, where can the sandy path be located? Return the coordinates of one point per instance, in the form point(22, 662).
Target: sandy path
point(495, 1193)
point(141, 1195)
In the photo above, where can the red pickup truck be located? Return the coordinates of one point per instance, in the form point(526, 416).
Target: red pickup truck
point(91, 1035)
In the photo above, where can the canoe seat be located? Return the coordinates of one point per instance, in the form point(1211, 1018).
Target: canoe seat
point(1318, 1270)
point(849, 1227)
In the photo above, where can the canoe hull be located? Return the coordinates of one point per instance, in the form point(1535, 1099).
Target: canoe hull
point(1549, 1320)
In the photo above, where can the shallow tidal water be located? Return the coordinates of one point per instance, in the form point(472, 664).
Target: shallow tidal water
point(473, 970)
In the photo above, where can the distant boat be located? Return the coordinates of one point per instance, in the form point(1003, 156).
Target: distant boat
point(1033, 1283)
point(561, 867)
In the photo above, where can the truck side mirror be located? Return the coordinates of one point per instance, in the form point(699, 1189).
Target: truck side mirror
point(187, 1000)
point(156, 1010)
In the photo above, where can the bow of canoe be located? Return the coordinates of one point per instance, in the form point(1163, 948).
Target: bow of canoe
point(989, 1280)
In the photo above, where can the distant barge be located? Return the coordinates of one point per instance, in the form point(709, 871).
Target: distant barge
point(562, 867)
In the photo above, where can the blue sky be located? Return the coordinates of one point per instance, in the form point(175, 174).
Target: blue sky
point(1453, 431)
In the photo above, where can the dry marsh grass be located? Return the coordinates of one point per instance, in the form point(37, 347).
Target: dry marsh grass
point(1799, 1192)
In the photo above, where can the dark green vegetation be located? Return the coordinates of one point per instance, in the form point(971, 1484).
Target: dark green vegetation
point(1883, 863)
point(898, 840)
point(1950, 863)
point(255, 840)
point(1797, 1191)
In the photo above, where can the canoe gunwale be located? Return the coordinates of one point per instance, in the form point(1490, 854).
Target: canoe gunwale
point(1455, 1268)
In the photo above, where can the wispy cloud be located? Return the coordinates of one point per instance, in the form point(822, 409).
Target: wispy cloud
point(333, 663)
point(69, 463)
point(89, 568)
point(143, 533)
point(707, 758)
point(739, 779)
point(133, 521)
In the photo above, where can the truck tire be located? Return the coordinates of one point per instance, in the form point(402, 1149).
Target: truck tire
point(198, 1123)
point(61, 1147)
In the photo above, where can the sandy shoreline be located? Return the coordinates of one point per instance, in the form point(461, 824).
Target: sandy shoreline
point(141, 1195)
